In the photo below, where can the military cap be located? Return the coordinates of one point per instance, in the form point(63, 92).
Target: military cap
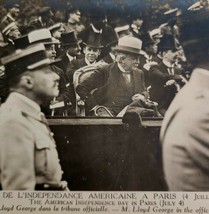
point(55, 27)
point(125, 29)
point(129, 44)
point(22, 60)
point(37, 36)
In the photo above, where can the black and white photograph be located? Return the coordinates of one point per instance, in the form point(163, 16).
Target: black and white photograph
point(104, 95)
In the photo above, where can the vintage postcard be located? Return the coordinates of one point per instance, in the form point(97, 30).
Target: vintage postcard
point(98, 100)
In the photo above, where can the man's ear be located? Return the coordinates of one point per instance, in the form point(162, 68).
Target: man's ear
point(26, 81)
point(99, 52)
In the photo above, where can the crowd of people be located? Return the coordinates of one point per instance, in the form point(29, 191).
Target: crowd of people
point(152, 62)
point(73, 69)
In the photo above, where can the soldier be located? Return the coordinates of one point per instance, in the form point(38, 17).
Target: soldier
point(28, 155)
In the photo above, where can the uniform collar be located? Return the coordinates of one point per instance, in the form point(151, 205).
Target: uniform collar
point(24, 104)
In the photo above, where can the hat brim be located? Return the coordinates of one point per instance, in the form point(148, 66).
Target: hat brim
point(42, 63)
point(93, 46)
point(127, 50)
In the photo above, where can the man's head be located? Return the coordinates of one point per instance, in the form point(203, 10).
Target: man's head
point(91, 53)
point(73, 15)
point(71, 44)
point(168, 48)
point(28, 72)
point(56, 30)
point(39, 36)
point(128, 51)
point(10, 31)
point(14, 10)
point(92, 48)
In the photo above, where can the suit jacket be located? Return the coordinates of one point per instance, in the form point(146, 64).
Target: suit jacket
point(105, 80)
point(159, 93)
point(28, 154)
point(184, 136)
point(73, 66)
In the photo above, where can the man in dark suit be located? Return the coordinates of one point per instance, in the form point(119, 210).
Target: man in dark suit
point(70, 48)
point(165, 78)
point(115, 84)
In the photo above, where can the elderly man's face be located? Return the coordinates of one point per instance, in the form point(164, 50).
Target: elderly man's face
point(91, 54)
point(130, 62)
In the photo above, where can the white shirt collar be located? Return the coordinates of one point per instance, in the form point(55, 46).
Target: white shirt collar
point(168, 64)
point(28, 101)
point(69, 57)
point(112, 56)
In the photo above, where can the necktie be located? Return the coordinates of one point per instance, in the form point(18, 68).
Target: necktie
point(171, 70)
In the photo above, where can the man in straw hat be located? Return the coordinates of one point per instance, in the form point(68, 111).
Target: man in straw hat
point(28, 155)
point(184, 133)
point(44, 36)
point(115, 83)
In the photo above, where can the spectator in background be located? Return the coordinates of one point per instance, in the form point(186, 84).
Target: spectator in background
point(165, 78)
point(71, 49)
point(44, 36)
point(73, 16)
point(12, 15)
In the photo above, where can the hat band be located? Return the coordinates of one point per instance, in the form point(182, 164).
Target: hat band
point(19, 66)
point(128, 49)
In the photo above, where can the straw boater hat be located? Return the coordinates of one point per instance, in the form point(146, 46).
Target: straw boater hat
point(38, 36)
point(128, 44)
point(26, 59)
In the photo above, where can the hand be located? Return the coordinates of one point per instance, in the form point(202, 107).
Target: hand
point(101, 111)
point(169, 83)
point(138, 97)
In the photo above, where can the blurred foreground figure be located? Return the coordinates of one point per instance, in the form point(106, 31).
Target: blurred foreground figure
point(28, 155)
point(185, 129)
